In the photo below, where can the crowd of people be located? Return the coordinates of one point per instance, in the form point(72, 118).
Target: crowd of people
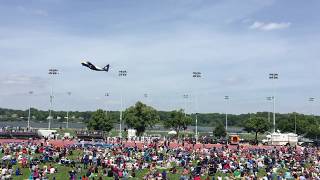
point(153, 160)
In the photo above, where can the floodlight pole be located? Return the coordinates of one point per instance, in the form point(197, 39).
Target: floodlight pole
point(29, 115)
point(295, 122)
point(145, 95)
point(269, 99)
point(196, 75)
point(311, 100)
point(106, 95)
point(122, 73)
point(67, 125)
point(274, 76)
point(50, 116)
point(52, 72)
point(226, 98)
point(185, 97)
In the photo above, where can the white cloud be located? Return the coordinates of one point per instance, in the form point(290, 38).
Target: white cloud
point(40, 12)
point(269, 26)
point(232, 81)
point(256, 25)
point(22, 80)
point(37, 12)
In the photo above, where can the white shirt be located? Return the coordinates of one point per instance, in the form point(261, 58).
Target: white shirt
point(4, 171)
point(52, 170)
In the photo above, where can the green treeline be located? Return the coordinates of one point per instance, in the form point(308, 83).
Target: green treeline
point(305, 124)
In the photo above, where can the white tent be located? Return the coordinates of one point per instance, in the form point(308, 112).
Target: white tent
point(172, 132)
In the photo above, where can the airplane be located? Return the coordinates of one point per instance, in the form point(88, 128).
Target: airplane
point(95, 68)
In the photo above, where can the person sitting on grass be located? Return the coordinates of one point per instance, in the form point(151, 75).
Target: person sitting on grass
point(173, 170)
point(133, 172)
point(72, 175)
point(84, 177)
point(125, 175)
point(197, 177)
point(110, 173)
point(164, 174)
point(18, 172)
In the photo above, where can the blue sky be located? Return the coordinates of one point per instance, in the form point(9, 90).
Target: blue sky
point(235, 44)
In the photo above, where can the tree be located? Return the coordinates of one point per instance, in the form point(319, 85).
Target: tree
point(313, 132)
point(285, 124)
point(99, 121)
point(256, 125)
point(140, 116)
point(220, 131)
point(178, 121)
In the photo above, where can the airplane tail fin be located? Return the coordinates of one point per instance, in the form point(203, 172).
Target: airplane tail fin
point(106, 68)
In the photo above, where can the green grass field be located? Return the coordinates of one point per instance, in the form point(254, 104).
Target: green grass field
point(63, 171)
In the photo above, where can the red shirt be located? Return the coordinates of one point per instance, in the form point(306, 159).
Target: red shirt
point(197, 178)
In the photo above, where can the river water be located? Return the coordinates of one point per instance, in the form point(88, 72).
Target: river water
point(41, 124)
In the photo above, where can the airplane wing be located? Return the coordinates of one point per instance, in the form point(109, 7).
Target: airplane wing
point(89, 63)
